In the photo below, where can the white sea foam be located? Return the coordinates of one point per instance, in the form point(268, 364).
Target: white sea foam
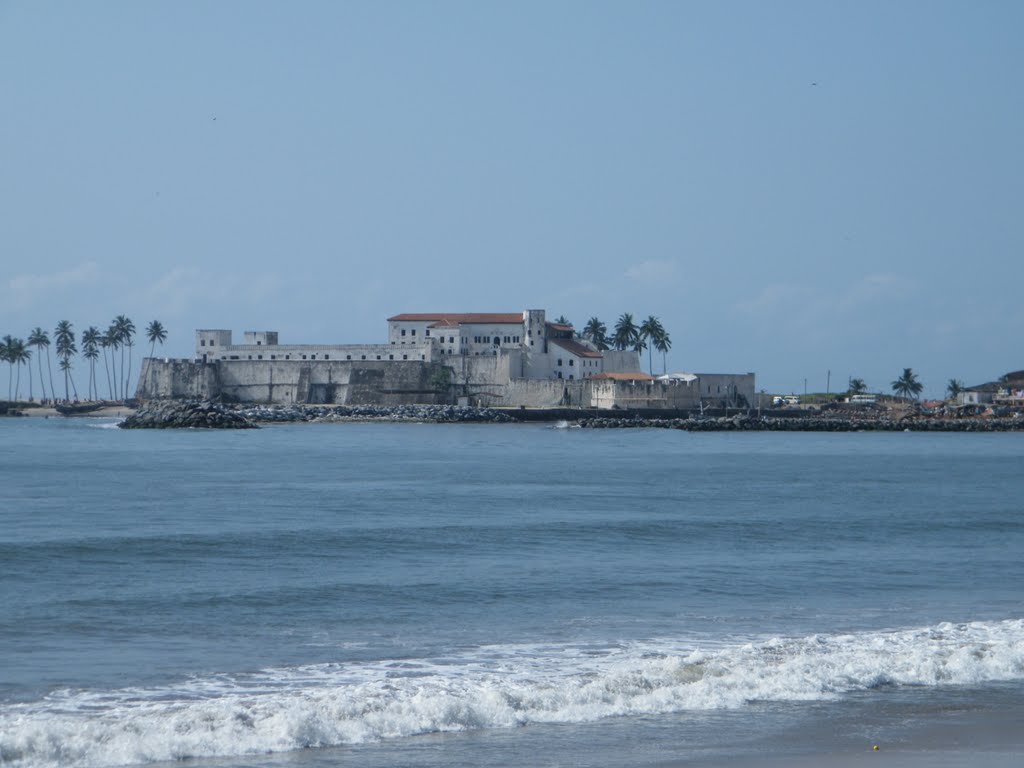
point(494, 687)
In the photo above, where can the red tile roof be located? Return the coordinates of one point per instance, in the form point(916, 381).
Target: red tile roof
point(575, 348)
point(459, 318)
point(620, 376)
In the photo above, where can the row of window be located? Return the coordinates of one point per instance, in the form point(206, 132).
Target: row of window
point(313, 357)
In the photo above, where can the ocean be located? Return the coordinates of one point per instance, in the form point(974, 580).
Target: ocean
point(384, 594)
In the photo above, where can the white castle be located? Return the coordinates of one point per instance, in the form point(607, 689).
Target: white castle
point(535, 348)
point(511, 359)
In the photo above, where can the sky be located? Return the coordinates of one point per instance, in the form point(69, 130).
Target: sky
point(809, 191)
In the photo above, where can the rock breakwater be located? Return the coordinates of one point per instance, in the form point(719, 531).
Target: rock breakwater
point(173, 414)
point(744, 423)
point(435, 414)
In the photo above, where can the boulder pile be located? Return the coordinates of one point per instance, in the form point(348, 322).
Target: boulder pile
point(745, 423)
point(175, 414)
point(437, 414)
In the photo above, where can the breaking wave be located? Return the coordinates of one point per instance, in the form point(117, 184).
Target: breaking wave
point(285, 709)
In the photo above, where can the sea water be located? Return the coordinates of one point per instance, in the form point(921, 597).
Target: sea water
point(413, 594)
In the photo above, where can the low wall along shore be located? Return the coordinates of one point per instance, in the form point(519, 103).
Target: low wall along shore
point(195, 414)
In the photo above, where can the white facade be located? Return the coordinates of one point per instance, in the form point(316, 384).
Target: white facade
point(531, 347)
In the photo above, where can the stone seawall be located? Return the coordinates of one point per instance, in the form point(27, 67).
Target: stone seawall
point(813, 424)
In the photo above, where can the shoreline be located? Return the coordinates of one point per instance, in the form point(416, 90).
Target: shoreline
point(205, 414)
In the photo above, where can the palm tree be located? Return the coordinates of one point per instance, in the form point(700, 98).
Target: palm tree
point(109, 341)
point(39, 339)
point(857, 387)
point(907, 384)
point(155, 332)
point(663, 344)
point(6, 355)
point(626, 333)
point(91, 351)
point(954, 387)
point(125, 332)
point(64, 336)
point(651, 330)
point(597, 332)
point(560, 320)
point(21, 355)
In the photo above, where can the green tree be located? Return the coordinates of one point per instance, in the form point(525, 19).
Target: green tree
point(663, 344)
point(39, 339)
point(560, 320)
point(6, 356)
point(109, 341)
point(155, 333)
point(125, 333)
point(907, 384)
point(651, 330)
point(91, 351)
point(21, 355)
point(954, 387)
point(626, 333)
point(857, 387)
point(597, 333)
point(64, 340)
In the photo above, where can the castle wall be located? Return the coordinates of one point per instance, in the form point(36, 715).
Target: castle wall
point(297, 381)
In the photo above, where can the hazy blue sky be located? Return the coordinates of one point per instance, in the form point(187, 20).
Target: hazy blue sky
point(791, 187)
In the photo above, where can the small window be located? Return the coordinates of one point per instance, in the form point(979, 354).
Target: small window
point(259, 357)
point(378, 357)
point(250, 357)
point(287, 357)
point(273, 357)
point(327, 357)
point(364, 357)
point(405, 357)
point(223, 358)
point(413, 331)
point(312, 357)
point(571, 361)
point(391, 357)
point(427, 332)
point(559, 361)
point(234, 357)
point(202, 343)
point(348, 357)
point(403, 331)
point(258, 343)
point(451, 339)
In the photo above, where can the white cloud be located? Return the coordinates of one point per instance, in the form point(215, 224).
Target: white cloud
point(186, 289)
point(24, 291)
point(652, 271)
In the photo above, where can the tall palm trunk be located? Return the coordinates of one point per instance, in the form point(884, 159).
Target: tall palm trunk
point(39, 362)
point(121, 382)
point(17, 386)
point(128, 376)
point(30, 394)
point(67, 394)
point(110, 389)
point(49, 370)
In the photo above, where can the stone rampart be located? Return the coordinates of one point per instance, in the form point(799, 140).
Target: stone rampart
point(297, 381)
